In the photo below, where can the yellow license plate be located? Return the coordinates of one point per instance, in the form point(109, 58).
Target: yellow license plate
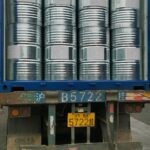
point(81, 120)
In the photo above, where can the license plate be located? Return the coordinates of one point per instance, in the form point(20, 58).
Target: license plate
point(81, 120)
point(82, 96)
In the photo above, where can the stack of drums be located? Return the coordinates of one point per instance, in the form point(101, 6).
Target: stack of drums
point(60, 40)
point(94, 40)
point(23, 40)
point(126, 45)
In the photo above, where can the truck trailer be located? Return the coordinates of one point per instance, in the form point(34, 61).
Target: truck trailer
point(73, 71)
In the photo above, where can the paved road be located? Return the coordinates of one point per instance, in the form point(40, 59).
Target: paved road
point(141, 133)
point(140, 124)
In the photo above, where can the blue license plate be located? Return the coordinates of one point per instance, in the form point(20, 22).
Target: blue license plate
point(82, 96)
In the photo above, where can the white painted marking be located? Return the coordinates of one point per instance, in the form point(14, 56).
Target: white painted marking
point(52, 126)
point(111, 119)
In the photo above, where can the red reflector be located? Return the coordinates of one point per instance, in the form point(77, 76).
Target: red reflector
point(15, 112)
point(138, 108)
point(130, 109)
point(111, 108)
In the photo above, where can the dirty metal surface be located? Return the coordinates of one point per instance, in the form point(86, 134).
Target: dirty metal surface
point(3, 127)
point(26, 131)
point(54, 97)
point(25, 97)
point(37, 147)
point(95, 146)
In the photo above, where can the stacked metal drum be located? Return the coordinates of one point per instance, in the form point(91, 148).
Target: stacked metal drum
point(94, 40)
point(60, 40)
point(23, 40)
point(126, 45)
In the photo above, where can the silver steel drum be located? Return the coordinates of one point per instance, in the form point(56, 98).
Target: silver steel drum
point(68, 3)
point(24, 34)
point(125, 70)
point(60, 53)
point(129, 37)
point(23, 40)
point(23, 70)
point(118, 4)
point(60, 40)
point(126, 40)
point(27, 2)
point(30, 52)
point(94, 40)
point(94, 36)
point(60, 71)
point(95, 71)
point(60, 34)
point(125, 18)
point(60, 16)
point(23, 13)
point(93, 3)
point(127, 54)
point(94, 54)
point(93, 17)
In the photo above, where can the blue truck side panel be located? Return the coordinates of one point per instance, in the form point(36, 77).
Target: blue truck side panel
point(1, 58)
point(1, 11)
point(8, 86)
point(148, 39)
point(73, 85)
point(1, 41)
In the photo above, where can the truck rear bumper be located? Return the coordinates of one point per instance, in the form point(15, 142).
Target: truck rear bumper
point(95, 146)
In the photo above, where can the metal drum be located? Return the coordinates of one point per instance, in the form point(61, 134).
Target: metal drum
point(60, 71)
point(119, 4)
point(92, 3)
point(22, 13)
point(94, 54)
point(23, 69)
point(59, 3)
point(60, 40)
point(94, 40)
point(95, 71)
point(22, 51)
point(24, 34)
point(23, 62)
point(26, 2)
point(60, 34)
point(60, 16)
point(23, 40)
point(94, 63)
point(125, 70)
point(125, 18)
point(96, 16)
point(127, 54)
point(126, 63)
point(60, 53)
point(126, 40)
point(94, 35)
point(126, 37)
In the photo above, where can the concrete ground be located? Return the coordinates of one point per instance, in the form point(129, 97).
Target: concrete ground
point(141, 133)
point(144, 116)
point(140, 124)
